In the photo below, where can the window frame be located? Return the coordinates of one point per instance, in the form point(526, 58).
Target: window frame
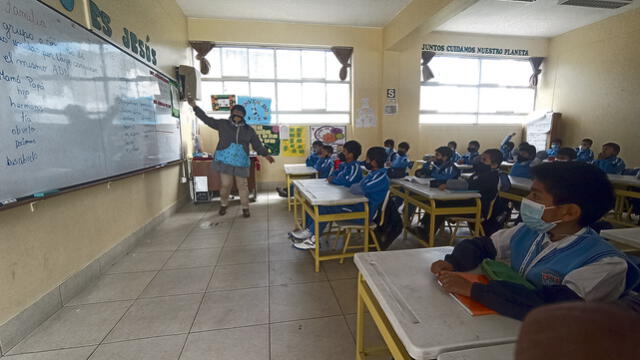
point(479, 87)
point(275, 80)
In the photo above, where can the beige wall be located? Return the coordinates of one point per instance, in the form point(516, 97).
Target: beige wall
point(367, 64)
point(39, 250)
point(402, 72)
point(592, 76)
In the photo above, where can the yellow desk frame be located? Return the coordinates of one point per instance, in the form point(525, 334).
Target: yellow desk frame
point(290, 177)
point(313, 211)
point(622, 204)
point(430, 208)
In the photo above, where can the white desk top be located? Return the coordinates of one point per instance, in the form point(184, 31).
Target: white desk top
point(627, 180)
point(521, 183)
point(320, 192)
point(299, 169)
point(507, 164)
point(496, 352)
point(464, 166)
point(434, 193)
point(426, 318)
point(630, 236)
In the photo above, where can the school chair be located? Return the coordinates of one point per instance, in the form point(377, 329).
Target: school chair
point(347, 228)
point(458, 221)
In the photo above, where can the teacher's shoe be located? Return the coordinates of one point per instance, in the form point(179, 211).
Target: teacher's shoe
point(223, 210)
point(308, 244)
point(246, 213)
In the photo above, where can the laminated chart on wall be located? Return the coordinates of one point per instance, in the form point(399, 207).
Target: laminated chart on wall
point(335, 136)
point(222, 102)
point(270, 137)
point(296, 144)
point(258, 110)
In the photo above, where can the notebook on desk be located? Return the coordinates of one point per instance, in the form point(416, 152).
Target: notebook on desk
point(471, 306)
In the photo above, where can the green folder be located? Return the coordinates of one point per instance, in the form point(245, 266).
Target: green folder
point(496, 270)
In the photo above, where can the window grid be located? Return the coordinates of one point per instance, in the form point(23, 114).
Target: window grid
point(479, 86)
point(222, 79)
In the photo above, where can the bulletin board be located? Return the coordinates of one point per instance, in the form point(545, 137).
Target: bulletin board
point(542, 129)
point(294, 142)
point(270, 137)
point(258, 110)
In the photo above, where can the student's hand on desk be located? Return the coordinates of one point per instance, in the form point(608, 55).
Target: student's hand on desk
point(330, 179)
point(270, 159)
point(455, 284)
point(441, 265)
point(443, 187)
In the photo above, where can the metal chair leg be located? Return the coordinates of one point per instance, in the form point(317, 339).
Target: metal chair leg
point(346, 245)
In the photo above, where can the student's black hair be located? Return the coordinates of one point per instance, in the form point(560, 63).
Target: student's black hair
point(390, 142)
point(328, 149)
point(511, 145)
point(353, 147)
point(614, 146)
point(523, 145)
point(588, 141)
point(568, 152)
point(318, 143)
point(577, 183)
point(475, 143)
point(455, 144)
point(557, 141)
point(495, 155)
point(531, 150)
point(445, 151)
point(240, 108)
point(377, 154)
point(404, 145)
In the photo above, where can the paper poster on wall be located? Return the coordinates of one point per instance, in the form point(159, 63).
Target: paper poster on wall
point(270, 137)
point(335, 136)
point(258, 110)
point(366, 116)
point(175, 99)
point(222, 102)
point(296, 145)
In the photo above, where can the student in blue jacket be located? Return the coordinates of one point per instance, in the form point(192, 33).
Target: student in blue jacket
point(315, 153)
point(389, 149)
point(324, 165)
point(608, 160)
point(441, 168)
point(584, 152)
point(506, 147)
point(455, 157)
point(522, 166)
point(349, 172)
point(374, 186)
point(556, 144)
point(473, 155)
point(400, 164)
point(554, 248)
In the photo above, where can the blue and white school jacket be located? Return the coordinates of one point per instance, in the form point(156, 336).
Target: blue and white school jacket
point(521, 169)
point(375, 187)
point(312, 159)
point(324, 167)
point(584, 155)
point(348, 174)
point(611, 165)
point(455, 157)
point(470, 158)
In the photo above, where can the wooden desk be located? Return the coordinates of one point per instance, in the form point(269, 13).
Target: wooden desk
point(495, 352)
point(520, 187)
point(425, 197)
point(626, 187)
point(506, 166)
point(313, 193)
point(415, 316)
point(297, 171)
point(629, 237)
point(463, 167)
point(203, 167)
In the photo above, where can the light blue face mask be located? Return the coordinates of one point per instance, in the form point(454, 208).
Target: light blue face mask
point(531, 213)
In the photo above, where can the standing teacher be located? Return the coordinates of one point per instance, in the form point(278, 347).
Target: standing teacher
point(231, 159)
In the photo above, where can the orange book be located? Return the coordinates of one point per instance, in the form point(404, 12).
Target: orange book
point(473, 307)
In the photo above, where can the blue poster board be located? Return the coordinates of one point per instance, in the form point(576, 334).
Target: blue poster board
point(258, 110)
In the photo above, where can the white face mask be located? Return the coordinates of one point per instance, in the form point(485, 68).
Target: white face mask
point(532, 212)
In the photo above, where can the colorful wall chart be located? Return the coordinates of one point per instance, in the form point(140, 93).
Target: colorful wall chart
point(335, 136)
point(270, 137)
point(258, 110)
point(294, 143)
point(222, 102)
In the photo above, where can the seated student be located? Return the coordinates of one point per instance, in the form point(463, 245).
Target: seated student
point(554, 248)
point(556, 144)
point(506, 146)
point(456, 155)
point(389, 149)
point(516, 151)
point(374, 186)
point(315, 154)
point(566, 154)
point(585, 154)
point(608, 160)
point(523, 162)
point(349, 172)
point(400, 164)
point(440, 169)
point(324, 165)
point(473, 156)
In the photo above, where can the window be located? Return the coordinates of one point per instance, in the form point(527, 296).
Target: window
point(469, 90)
point(303, 84)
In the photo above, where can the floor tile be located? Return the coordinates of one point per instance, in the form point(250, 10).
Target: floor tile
point(294, 271)
point(347, 293)
point(156, 317)
point(74, 326)
point(240, 276)
point(234, 308)
point(279, 236)
point(372, 337)
point(67, 354)
point(158, 348)
point(203, 241)
point(246, 343)
point(178, 282)
point(285, 251)
point(246, 238)
point(302, 301)
point(161, 244)
point(315, 339)
point(126, 286)
point(243, 255)
point(182, 259)
point(144, 261)
point(337, 271)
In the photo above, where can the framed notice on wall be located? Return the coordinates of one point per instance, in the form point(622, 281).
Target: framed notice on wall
point(294, 143)
point(270, 137)
point(335, 136)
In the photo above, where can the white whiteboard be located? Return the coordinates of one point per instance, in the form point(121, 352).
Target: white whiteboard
point(73, 107)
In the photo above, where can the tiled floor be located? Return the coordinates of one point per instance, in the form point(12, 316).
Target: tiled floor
point(206, 287)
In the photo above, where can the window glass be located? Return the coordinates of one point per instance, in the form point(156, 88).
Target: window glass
point(313, 64)
point(449, 99)
point(234, 62)
point(506, 72)
point(261, 64)
point(452, 70)
point(288, 64)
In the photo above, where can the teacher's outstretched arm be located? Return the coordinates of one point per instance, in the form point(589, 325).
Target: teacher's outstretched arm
point(211, 122)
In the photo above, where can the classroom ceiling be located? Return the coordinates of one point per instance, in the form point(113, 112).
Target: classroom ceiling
point(374, 13)
point(542, 18)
